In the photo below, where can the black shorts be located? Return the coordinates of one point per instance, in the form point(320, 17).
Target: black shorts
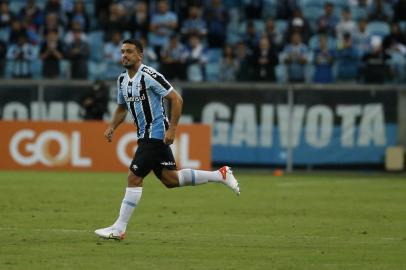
point(152, 154)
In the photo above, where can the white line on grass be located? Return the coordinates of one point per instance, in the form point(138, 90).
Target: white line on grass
point(310, 237)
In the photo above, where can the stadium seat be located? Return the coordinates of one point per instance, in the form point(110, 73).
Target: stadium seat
point(280, 73)
point(16, 5)
point(36, 68)
point(90, 8)
point(402, 26)
point(312, 3)
point(314, 42)
point(312, 13)
point(378, 28)
point(258, 24)
point(4, 34)
point(8, 69)
point(269, 9)
point(64, 66)
point(281, 26)
point(398, 64)
point(94, 70)
point(339, 4)
point(212, 71)
point(346, 72)
point(359, 13)
point(309, 73)
point(214, 55)
point(96, 42)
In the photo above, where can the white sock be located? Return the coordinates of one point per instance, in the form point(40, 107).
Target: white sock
point(131, 198)
point(190, 177)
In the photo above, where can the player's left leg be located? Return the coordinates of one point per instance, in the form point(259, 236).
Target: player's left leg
point(165, 170)
point(190, 177)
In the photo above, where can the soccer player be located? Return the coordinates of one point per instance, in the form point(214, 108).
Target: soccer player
point(141, 90)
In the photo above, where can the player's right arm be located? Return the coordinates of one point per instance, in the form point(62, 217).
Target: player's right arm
point(118, 117)
point(119, 114)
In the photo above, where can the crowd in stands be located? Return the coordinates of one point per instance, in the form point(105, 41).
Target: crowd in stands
point(320, 41)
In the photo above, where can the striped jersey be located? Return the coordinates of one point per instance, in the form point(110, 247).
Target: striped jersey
point(143, 95)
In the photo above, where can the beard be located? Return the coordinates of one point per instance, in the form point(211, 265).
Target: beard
point(129, 65)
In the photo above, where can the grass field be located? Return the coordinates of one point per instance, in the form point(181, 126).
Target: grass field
point(291, 222)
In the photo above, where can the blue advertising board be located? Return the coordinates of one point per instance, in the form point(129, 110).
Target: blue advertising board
point(328, 127)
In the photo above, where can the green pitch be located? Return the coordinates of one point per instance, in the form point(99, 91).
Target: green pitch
point(291, 222)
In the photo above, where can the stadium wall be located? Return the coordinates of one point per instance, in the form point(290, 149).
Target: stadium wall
point(254, 124)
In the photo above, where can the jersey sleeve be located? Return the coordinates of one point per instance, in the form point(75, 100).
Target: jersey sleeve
point(158, 83)
point(120, 97)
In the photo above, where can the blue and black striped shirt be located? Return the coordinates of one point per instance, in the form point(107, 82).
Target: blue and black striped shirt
point(143, 94)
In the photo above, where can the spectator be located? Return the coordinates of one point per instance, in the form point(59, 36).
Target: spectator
point(217, 19)
point(378, 11)
point(196, 59)
point(298, 24)
point(395, 41)
point(32, 15)
point(112, 56)
point(181, 7)
point(163, 25)
point(3, 54)
point(362, 38)
point(286, 8)
point(173, 58)
point(359, 3)
point(6, 16)
point(140, 20)
point(252, 9)
point(53, 6)
point(52, 23)
point(400, 11)
point(251, 36)
point(264, 61)
point(95, 102)
point(194, 24)
point(323, 61)
point(245, 69)
point(150, 58)
point(51, 54)
point(16, 31)
point(274, 37)
point(228, 65)
point(76, 27)
point(21, 56)
point(375, 68)
point(102, 10)
point(78, 52)
point(347, 60)
point(296, 58)
point(346, 25)
point(116, 21)
point(328, 21)
point(79, 15)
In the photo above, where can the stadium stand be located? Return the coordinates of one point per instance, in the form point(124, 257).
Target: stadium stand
point(234, 17)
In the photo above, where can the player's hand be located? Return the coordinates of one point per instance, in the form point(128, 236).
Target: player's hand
point(170, 136)
point(108, 134)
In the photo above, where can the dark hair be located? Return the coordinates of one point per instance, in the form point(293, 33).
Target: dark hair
point(136, 43)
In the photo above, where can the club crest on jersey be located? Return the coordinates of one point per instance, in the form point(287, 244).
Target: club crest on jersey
point(138, 86)
point(150, 72)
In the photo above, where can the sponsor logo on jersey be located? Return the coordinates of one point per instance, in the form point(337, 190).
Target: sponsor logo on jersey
point(149, 71)
point(135, 99)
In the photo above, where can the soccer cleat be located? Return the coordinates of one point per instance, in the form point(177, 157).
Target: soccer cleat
point(229, 179)
point(110, 233)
